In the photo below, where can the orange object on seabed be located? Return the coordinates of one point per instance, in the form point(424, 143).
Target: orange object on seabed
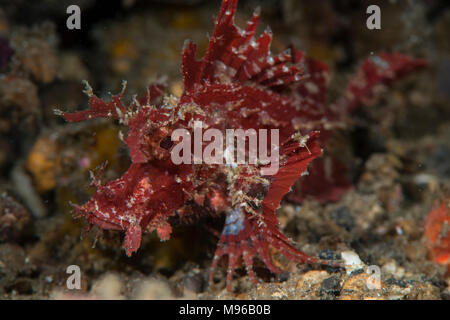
point(437, 232)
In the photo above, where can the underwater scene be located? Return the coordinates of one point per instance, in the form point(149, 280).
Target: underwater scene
point(246, 150)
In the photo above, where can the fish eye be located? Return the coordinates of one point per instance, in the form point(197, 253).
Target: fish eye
point(166, 143)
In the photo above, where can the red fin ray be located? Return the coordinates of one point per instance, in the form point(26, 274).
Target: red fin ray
point(114, 109)
point(234, 55)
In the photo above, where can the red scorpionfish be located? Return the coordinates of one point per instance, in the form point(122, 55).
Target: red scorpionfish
point(238, 84)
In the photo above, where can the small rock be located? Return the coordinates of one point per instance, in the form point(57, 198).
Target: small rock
point(329, 255)
point(331, 286)
point(310, 284)
point(352, 261)
point(392, 269)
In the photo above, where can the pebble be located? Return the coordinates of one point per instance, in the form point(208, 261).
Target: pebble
point(392, 269)
point(352, 261)
point(329, 255)
point(330, 285)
